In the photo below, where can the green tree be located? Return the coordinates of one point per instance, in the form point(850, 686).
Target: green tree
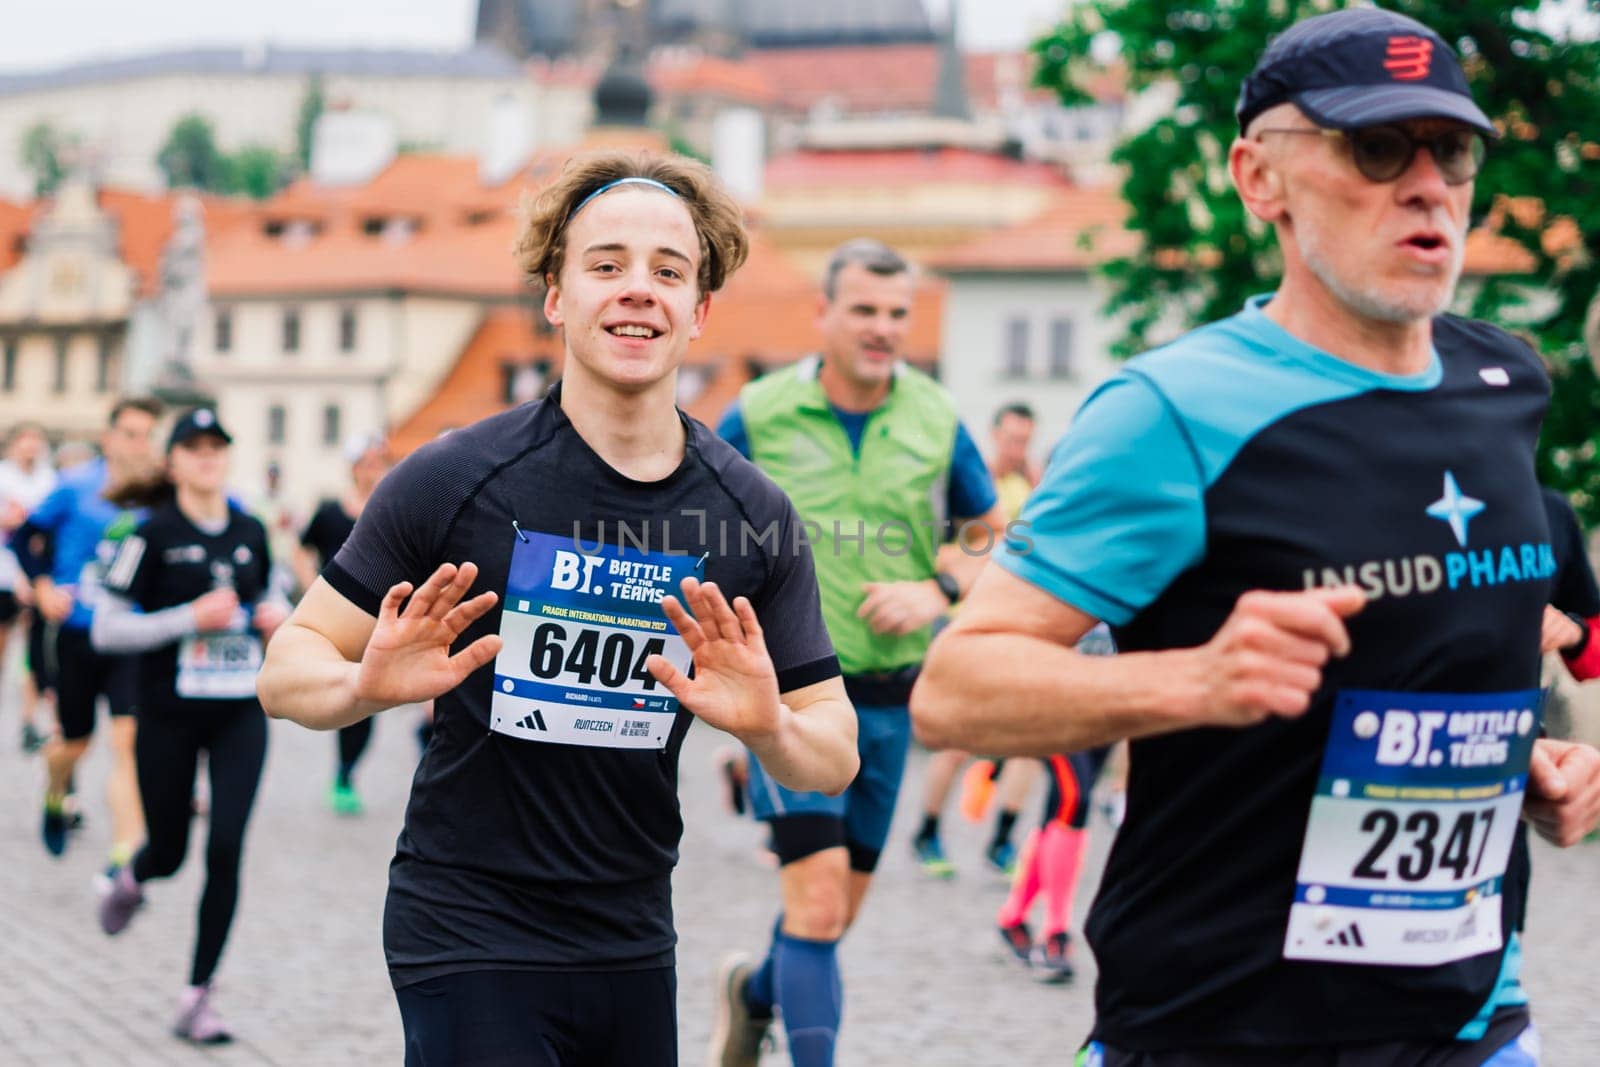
point(190, 157)
point(1202, 256)
point(256, 171)
point(42, 148)
point(311, 107)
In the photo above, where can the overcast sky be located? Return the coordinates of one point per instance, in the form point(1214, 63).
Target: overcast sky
point(63, 31)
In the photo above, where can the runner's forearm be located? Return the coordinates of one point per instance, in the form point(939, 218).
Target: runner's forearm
point(814, 748)
point(305, 680)
point(1053, 699)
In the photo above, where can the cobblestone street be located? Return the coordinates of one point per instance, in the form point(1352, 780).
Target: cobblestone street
point(303, 979)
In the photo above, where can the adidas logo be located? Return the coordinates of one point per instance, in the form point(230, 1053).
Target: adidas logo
point(533, 721)
point(1350, 937)
point(1469, 928)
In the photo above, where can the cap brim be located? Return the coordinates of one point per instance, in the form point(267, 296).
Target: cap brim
point(1350, 107)
point(209, 431)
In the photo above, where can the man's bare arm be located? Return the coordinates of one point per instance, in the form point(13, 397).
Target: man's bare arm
point(1004, 678)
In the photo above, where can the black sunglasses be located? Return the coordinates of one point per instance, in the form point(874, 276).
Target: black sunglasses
point(1383, 153)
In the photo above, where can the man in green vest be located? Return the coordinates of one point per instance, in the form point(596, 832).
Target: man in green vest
point(882, 473)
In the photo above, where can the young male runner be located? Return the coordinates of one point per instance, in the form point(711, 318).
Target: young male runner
point(526, 571)
point(1315, 530)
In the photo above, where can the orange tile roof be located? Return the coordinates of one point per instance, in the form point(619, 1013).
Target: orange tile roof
point(1081, 228)
point(469, 260)
point(868, 79)
point(144, 225)
point(808, 168)
point(14, 222)
point(737, 80)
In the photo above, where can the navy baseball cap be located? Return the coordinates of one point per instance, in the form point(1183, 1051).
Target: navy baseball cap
point(197, 423)
point(1361, 67)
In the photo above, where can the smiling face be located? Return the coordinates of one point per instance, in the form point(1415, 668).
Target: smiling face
point(1388, 251)
point(627, 297)
point(864, 325)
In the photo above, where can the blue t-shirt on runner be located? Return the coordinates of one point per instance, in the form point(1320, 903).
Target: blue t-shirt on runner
point(971, 491)
point(74, 516)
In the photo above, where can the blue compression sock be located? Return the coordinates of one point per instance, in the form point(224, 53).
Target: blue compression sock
point(810, 997)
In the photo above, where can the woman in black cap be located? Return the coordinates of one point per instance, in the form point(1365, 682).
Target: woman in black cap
point(189, 591)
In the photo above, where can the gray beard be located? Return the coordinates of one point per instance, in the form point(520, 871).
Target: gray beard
point(1373, 305)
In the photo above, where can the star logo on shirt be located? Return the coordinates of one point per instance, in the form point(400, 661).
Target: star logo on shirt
point(1455, 508)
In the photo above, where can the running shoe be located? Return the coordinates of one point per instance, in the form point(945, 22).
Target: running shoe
point(344, 800)
point(1019, 942)
point(1002, 857)
point(122, 897)
point(54, 827)
point(1055, 959)
point(977, 789)
point(197, 1020)
point(735, 776)
point(930, 857)
point(739, 1035)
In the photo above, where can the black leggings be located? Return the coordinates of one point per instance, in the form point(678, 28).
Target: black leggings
point(234, 739)
point(1072, 778)
point(542, 1019)
point(352, 743)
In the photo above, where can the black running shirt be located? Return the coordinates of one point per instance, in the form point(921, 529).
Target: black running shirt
point(543, 824)
point(1354, 874)
point(168, 561)
point(328, 530)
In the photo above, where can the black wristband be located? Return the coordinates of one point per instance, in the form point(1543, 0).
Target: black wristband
point(949, 586)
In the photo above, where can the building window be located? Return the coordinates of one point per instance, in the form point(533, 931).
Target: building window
point(1015, 353)
point(222, 339)
point(60, 383)
point(522, 382)
point(347, 329)
point(291, 330)
point(8, 373)
point(106, 358)
point(277, 425)
point(330, 424)
point(1061, 348)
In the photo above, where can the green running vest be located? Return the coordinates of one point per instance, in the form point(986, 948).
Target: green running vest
point(876, 516)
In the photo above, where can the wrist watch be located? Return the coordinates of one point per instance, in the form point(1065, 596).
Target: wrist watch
point(949, 586)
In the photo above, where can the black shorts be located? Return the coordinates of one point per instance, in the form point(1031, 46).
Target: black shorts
point(542, 1019)
point(42, 652)
point(84, 675)
point(9, 608)
point(1072, 778)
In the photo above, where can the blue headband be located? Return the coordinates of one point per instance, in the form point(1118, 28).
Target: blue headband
point(606, 188)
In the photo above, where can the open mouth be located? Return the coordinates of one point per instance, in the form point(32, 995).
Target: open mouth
point(1426, 242)
point(630, 330)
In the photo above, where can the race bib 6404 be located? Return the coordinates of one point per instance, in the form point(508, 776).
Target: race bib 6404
point(578, 628)
point(1411, 827)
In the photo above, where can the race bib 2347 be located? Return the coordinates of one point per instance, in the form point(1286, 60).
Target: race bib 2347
point(1411, 828)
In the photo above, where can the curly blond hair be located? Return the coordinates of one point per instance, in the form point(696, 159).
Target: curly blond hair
point(718, 220)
